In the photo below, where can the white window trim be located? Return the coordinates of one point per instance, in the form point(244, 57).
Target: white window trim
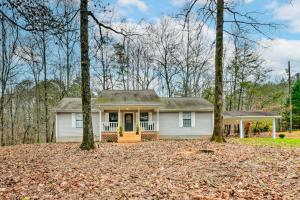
point(189, 119)
point(193, 119)
point(180, 117)
point(73, 120)
point(76, 120)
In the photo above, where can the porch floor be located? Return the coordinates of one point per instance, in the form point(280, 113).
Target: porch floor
point(129, 137)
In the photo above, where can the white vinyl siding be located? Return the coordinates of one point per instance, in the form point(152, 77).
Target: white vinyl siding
point(168, 124)
point(66, 127)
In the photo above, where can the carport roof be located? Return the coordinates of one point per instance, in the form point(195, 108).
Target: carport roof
point(250, 115)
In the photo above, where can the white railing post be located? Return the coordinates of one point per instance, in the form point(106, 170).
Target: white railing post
point(110, 126)
point(148, 125)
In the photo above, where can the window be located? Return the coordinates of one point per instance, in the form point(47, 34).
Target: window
point(187, 121)
point(113, 117)
point(79, 123)
point(144, 117)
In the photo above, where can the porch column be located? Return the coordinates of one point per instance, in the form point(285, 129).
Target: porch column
point(241, 129)
point(119, 118)
point(274, 128)
point(100, 124)
point(157, 119)
point(138, 117)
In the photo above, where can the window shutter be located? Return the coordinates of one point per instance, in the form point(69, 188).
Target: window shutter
point(106, 116)
point(193, 119)
point(73, 120)
point(150, 116)
point(180, 119)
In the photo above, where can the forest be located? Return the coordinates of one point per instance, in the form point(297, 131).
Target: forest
point(62, 62)
point(175, 55)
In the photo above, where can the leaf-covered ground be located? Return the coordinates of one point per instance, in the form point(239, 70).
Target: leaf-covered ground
point(150, 170)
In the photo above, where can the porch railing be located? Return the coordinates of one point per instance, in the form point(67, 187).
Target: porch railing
point(148, 126)
point(145, 126)
point(110, 126)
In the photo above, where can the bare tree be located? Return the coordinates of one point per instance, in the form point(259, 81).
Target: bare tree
point(208, 11)
point(192, 58)
point(244, 71)
point(103, 53)
point(8, 59)
point(68, 38)
point(165, 44)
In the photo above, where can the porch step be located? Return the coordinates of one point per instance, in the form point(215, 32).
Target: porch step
point(129, 138)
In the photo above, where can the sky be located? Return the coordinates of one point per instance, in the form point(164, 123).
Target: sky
point(285, 43)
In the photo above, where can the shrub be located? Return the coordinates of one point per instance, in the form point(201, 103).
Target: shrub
point(109, 140)
point(137, 129)
point(281, 136)
point(120, 131)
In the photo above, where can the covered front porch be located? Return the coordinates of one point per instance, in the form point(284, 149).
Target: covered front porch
point(129, 123)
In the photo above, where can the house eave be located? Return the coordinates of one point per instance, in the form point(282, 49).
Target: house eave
point(73, 110)
point(186, 110)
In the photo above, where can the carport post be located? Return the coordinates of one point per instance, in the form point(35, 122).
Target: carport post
point(274, 128)
point(241, 129)
point(100, 125)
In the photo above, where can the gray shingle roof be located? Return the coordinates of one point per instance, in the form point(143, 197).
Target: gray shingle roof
point(185, 104)
point(130, 97)
point(74, 105)
point(134, 98)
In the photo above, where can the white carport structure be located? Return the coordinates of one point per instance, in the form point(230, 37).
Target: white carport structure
point(239, 117)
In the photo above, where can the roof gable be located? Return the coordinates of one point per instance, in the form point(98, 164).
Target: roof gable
point(128, 97)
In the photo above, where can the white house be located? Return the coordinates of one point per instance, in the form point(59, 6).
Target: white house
point(123, 116)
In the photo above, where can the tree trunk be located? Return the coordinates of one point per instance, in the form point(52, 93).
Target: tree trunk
point(44, 61)
point(218, 104)
point(3, 83)
point(12, 118)
point(2, 116)
point(88, 137)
